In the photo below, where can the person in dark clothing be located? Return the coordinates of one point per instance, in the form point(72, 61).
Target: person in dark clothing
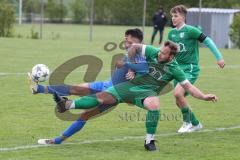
point(159, 21)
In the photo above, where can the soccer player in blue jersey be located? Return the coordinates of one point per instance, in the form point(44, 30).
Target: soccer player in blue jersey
point(131, 36)
point(120, 75)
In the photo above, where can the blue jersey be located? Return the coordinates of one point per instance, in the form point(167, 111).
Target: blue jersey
point(140, 67)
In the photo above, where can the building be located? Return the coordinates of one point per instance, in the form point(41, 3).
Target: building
point(215, 23)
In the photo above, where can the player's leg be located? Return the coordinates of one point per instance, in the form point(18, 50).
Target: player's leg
point(189, 119)
point(62, 90)
point(77, 125)
point(72, 129)
point(155, 30)
point(66, 90)
point(107, 99)
point(85, 102)
point(79, 89)
point(152, 104)
point(161, 35)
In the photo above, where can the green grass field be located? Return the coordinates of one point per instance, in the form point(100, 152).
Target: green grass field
point(25, 118)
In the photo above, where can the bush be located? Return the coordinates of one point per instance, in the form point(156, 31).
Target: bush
point(34, 34)
point(31, 7)
point(7, 19)
point(79, 10)
point(56, 12)
point(235, 31)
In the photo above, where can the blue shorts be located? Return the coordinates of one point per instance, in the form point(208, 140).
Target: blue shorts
point(100, 86)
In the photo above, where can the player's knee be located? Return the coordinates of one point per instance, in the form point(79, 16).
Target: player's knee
point(105, 98)
point(178, 95)
point(81, 89)
point(152, 103)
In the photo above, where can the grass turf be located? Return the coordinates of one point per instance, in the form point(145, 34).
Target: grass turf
point(24, 118)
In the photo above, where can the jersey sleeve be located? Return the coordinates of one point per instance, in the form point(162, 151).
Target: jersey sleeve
point(150, 52)
point(194, 32)
point(178, 74)
point(169, 36)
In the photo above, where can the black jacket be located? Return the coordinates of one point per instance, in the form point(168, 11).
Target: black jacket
point(159, 20)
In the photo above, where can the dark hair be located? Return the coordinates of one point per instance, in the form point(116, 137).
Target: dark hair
point(179, 9)
point(174, 48)
point(136, 33)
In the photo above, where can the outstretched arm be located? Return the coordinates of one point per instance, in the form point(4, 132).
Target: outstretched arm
point(211, 45)
point(196, 93)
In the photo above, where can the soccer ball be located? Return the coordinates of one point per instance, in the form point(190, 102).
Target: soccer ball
point(40, 73)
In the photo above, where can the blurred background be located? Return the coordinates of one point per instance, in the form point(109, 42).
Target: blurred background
point(116, 12)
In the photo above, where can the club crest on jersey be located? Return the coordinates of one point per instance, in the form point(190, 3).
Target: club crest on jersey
point(154, 73)
point(182, 47)
point(181, 34)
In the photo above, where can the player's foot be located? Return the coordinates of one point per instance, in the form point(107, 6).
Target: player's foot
point(32, 85)
point(150, 146)
point(57, 140)
point(185, 127)
point(61, 102)
point(46, 141)
point(195, 128)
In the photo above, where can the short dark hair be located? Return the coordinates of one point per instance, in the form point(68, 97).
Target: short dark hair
point(136, 33)
point(174, 48)
point(179, 9)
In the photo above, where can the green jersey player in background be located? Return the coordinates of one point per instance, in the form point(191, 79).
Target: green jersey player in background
point(187, 37)
point(143, 90)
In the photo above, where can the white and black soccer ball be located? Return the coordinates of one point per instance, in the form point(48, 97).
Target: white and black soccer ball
point(40, 73)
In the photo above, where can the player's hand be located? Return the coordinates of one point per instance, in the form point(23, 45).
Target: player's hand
point(130, 75)
point(211, 97)
point(221, 63)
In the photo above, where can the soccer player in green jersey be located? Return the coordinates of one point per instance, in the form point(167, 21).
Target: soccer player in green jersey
point(143, 90)
point(187, 37)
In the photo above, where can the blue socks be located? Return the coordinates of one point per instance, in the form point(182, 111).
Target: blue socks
point(40, 89)
point(58, 140)
point(72, 129)
point(62, 90)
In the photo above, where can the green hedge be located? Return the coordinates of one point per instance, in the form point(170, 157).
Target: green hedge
point(55, 10)
point(7, 19)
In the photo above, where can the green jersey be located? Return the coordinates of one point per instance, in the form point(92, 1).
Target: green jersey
point(149, 84)
point(159, 73)
point(187, 39)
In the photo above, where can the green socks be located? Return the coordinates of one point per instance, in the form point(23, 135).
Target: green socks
point(189, 116)
point(86, 102)
point(152, 118)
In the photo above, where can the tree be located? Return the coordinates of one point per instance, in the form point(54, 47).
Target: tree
point(56, 11)
point(7, 19)
point(79, 9)
point(31, 7)
point(235, 31)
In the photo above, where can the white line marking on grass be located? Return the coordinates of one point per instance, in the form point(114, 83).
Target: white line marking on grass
point(112, 140)
point(12, 74)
